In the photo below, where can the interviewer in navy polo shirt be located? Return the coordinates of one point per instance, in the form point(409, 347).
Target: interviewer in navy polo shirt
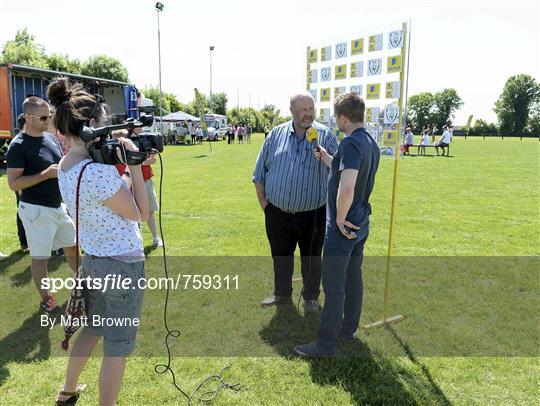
point(291, 188)
point(351, 180)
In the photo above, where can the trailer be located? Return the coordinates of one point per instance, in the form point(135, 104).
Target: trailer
point(18, 82)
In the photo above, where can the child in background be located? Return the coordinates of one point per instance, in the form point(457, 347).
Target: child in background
point(423, 142)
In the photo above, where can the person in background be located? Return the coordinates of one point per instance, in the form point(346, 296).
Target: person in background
point(148, 174)
point(444, 141)
point(58, 138)
point(248, 134)
point(32, 166)
point(199, 134)
point(423, 142)
point(192, 128)
point(230, 134)
point(122, 169)
point(60, 141)
point(434, 130)
point(409, 141)
point(153, 205)
point(241, 132)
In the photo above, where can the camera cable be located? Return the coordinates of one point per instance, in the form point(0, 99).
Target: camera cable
point(163, 368)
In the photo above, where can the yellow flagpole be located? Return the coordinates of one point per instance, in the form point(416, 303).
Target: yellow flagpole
point(384, 319)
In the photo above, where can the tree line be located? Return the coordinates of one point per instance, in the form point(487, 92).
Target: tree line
point(517, 108)
point(24, 50)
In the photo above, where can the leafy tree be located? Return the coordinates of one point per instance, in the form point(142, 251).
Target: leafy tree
point(152, 93)
point(446, 103)
point(217, 103)
point(533, 123)
point(482, 127)
point(106, 67)
point(177, 105)
point(425, 108)
point(23, 50)
point(271, 117)
point(420, 110)
point(63, 63)
point(514, 104)
point(244, 116)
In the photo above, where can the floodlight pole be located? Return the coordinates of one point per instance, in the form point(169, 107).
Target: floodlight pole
point(211, 49)
point(159, 9)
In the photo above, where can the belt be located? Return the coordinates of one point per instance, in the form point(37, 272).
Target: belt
point(296, 212)
point(290, 212)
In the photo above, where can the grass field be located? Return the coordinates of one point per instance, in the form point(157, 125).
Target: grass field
point(467, 278)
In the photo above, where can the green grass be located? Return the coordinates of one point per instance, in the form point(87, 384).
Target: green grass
point(482, 202)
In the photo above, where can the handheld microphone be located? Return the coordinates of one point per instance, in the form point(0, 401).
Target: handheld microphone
point(312, 135)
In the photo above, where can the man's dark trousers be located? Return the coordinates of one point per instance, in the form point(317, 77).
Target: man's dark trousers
point(286, 230)
point(342, 284)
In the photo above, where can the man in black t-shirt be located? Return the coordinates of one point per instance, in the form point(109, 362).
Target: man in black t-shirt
point(32, 164)
point(350, 183)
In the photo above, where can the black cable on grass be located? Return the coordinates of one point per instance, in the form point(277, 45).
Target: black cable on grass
point(314, 231)
point(162, 368)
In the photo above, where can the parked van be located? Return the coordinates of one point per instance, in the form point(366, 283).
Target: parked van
point(217, 126)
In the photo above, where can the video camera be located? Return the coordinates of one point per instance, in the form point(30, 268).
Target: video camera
point(105, 150)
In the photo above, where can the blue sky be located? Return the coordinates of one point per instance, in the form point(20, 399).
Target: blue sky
point(259, 45)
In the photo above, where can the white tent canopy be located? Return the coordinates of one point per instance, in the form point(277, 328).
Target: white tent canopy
point(180, 116)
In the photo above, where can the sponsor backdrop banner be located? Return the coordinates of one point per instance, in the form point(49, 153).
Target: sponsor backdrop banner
point(370, 64)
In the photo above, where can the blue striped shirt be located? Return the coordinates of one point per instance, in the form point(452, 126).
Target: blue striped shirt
point(293, 179)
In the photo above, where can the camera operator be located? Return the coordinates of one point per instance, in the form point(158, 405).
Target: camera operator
point(109, 233)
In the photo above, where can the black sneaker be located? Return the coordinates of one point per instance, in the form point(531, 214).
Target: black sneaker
point(313, 349)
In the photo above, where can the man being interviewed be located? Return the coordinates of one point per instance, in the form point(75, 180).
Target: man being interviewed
point(291, 188)
point(351, 180)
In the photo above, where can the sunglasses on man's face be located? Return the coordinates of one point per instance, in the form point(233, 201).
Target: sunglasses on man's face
point(42, 118)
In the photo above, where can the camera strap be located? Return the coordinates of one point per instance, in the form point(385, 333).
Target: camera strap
point(77, 209)
point(76, 306)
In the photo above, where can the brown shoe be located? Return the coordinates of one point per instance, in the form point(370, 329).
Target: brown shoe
point(276, 300)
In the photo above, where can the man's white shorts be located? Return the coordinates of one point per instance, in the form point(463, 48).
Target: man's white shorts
point(46, 228)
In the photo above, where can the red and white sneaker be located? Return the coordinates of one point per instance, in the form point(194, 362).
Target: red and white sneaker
point(49, 305)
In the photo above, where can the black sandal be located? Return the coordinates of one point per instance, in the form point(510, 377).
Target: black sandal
point(72, 396)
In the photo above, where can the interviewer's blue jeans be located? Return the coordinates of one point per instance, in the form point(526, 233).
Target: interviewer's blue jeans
point(342, 284)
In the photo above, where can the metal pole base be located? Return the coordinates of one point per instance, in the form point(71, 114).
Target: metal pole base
point(378, 323)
